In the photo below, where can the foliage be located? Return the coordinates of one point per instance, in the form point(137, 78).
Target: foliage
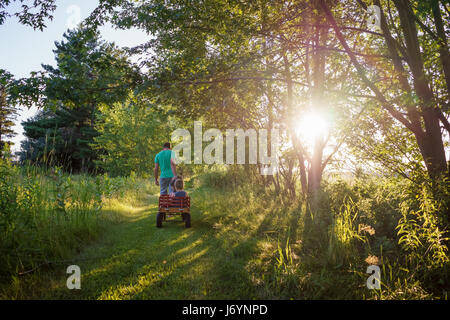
point(89, 72)
point(344, 235)
point(421, 229)
point(7, 111)
point(60, 138)
point(130, 135)
point(28, 15)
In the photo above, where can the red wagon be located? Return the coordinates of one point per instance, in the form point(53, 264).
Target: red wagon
point(174, 206)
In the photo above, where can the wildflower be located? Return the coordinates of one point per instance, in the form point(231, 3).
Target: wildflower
point(367, 228)
point(372, 260)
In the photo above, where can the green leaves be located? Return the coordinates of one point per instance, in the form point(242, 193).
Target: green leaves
point(33, 14)
point(88, 71)
point(420, 229)
point(130, 135)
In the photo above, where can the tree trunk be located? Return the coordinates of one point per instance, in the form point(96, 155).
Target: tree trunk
point(430, 142)
point(296, 144)
point(423, 122)
point(317, 96)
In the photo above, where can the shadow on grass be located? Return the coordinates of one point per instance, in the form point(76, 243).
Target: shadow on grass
point(145, 262)
point(136, 260)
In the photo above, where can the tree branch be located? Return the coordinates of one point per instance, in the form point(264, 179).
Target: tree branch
point(362, 73)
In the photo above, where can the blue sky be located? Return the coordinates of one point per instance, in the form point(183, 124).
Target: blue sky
point(24, 50)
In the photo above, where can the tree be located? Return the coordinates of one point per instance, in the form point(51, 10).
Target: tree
point(88, 72)
point(130, 135)
point(7, 114)
point(7, 111)
point(412, 101)
point(31, 15)
point(61, 137)
point(267, 57)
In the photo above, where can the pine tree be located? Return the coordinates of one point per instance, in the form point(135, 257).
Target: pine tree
point(7, 117)
point(88, 72)
point(60, 137)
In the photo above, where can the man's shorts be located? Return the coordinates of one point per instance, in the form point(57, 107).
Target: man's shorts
point(164, 185)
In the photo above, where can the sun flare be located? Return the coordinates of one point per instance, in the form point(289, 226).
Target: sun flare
point(311, 126)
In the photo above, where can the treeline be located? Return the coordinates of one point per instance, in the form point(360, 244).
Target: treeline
point(91, 118)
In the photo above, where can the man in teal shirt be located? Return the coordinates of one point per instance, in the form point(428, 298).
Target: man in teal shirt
point(165, 160)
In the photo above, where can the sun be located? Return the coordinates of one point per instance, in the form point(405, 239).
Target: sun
point(311, 126)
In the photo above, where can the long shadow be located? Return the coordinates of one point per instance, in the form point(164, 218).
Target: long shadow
point(233, 264)
point(139, 261)
point(146, 251)
point(213, 272)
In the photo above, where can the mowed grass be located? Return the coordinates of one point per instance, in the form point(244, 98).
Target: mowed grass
point(245, 243)
point(136, 260)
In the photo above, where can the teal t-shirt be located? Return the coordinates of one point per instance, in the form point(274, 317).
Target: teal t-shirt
point(163, 159)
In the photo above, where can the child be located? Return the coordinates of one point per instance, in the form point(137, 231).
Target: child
point(178, 187)
point(172, 184)
point(179, 192)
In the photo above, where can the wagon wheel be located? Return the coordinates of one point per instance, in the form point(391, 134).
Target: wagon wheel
point(159, 219)
point(187, 220)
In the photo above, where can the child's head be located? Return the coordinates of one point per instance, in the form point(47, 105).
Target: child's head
point(172, 182)
point(179, 185)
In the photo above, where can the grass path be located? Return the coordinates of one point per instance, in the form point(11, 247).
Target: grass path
point(136, 260)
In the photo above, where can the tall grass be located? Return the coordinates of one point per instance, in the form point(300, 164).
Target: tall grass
point(388, 222)
point(345, 235)
point(48, 215)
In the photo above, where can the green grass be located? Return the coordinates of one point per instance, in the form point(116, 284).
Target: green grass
point(243, 244)
point(136, 260)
